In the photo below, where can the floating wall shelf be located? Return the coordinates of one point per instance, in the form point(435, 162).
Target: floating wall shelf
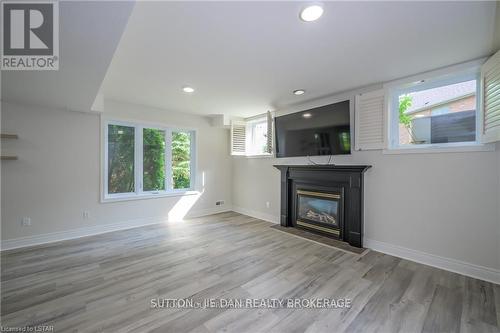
point(8, 136)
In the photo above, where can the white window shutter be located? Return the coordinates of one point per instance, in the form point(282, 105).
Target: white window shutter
point(369, 127)
point(238, 138)
point(490, 95)
point(269, 144)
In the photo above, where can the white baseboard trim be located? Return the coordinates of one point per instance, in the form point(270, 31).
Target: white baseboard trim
point(452, 265)
point(256, 214)
point(17, 243)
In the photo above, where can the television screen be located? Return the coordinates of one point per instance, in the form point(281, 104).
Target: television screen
point(320, 131)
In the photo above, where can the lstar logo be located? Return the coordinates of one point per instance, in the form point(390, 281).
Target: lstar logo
point(30, 36)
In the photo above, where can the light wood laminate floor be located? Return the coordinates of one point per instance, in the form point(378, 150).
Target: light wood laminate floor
point(106, 282)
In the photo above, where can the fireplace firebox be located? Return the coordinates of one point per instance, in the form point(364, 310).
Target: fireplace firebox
point(319, 211)
point(324, 199)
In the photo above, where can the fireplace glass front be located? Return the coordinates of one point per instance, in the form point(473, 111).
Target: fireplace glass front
point(319, 207)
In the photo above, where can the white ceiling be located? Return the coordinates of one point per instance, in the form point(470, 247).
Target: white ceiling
point(89, 33)
point(244, 58)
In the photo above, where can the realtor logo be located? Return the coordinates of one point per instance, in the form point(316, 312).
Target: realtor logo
point(30, 35)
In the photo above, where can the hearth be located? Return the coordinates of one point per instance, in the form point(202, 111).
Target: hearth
point(324, 199)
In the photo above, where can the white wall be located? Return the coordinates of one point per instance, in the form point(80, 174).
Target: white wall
point(496, 33)
point(57, 175)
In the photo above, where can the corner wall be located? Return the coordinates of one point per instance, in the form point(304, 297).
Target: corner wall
point(57, 176)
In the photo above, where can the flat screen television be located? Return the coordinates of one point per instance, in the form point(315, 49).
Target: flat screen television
point(325, 130)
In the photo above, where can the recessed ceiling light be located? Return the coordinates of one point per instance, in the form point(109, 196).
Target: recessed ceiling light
point(188, 89)
point(311, 13)
point(299, 92)
point(307, 115)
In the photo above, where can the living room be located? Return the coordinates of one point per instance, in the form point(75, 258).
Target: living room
point(223, 166)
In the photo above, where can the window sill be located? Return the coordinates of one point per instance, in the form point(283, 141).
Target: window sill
point(144, 196)
point(254, 156)
point(437, 148)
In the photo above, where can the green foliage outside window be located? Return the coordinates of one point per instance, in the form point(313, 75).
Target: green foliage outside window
point(153, 159)
point(181, 161)
point(405, 102)
point(121, 159)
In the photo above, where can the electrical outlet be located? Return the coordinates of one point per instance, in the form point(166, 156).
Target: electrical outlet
point(86, 214)
point(26, 221)
point(268, 204)
point(219, 203)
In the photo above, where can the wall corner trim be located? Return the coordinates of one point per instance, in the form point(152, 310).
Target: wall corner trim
point(449, 264)
point(256, 214)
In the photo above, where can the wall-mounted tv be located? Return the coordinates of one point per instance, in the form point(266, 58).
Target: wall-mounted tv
point(325, 130)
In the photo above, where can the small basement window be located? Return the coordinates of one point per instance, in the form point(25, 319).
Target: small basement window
point(257, 137)
point(435, 113)
point(252, 137)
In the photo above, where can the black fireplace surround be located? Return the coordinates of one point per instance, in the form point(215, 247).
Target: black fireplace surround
point(325, 199)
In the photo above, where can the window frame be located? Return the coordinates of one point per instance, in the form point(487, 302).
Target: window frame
point(250, 137)
point(430, 81)
point(139, 193)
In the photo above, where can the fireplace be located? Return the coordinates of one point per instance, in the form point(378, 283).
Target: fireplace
point(324, 199)
point(319, 211)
